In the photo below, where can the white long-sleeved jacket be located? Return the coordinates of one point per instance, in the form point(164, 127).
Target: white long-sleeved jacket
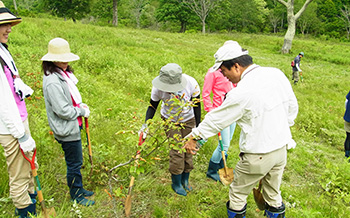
point(10, 119)
point(263, 104)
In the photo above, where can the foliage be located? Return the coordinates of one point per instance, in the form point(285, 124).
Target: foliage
point(74, 9)
point(115, 72)
point(324, 19)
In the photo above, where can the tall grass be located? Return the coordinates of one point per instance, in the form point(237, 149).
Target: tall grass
point(115, 71)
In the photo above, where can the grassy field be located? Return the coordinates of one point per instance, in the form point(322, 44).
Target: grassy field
point(115, 71)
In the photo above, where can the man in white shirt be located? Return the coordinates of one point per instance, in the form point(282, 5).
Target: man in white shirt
point(264, 106)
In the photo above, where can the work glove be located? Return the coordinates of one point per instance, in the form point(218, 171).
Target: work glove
point(21, 89)
point(143, 130)
point(26, 143)
point(86, 110)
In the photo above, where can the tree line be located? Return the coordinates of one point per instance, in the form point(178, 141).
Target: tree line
point(321, 18)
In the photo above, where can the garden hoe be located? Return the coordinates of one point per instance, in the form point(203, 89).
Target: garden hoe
point(127, 205)
point(259, 200)
point(89, 142)
point(226, 174)
point(47, 212)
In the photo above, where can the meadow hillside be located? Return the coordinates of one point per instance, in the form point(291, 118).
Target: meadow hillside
point(115, 71)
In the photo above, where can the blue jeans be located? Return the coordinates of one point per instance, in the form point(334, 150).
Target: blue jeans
point(226, 135)
point(73, 155)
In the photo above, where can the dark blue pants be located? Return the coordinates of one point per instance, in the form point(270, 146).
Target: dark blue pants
point(74, 159)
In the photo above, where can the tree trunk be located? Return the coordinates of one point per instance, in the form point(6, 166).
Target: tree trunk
point(15, 5)
point(183, 27)
point(115, 13)
point(291, 18)
point(203, 26)
point(288, 38)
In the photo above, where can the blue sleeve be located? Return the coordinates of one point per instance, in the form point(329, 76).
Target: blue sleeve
point(347, 110)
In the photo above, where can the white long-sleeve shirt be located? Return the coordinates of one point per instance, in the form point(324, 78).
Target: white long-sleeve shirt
point(263, 104)
point(10, 119)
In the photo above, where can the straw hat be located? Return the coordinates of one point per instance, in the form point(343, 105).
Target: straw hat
point(59, 51)
point(170, 79)
point(6, 16)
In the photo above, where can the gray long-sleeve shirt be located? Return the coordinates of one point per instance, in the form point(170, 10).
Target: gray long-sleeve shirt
point(61, 113)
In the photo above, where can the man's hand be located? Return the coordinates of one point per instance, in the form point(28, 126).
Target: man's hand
point(190, 146)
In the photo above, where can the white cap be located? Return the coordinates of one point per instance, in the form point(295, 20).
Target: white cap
point(230, 50)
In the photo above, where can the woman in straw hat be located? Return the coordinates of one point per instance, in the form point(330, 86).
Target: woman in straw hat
point(172, 83)
point(14, 128)
point(65, 110)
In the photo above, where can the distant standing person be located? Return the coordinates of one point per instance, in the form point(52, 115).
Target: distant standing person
point(347, 126)
point(296, 67)
point(264, 106)
point(14, 127)
point(216, 83)
point(65, 110)
point(170, 84)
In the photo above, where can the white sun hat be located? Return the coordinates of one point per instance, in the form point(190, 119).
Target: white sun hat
point(59, 51)
point(230, 50)
point(6, 16)
point(170, 79)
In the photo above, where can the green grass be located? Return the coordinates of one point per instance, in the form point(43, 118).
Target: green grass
point(115, 72)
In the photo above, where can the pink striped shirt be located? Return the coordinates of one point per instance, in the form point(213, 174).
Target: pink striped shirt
point(218, 84)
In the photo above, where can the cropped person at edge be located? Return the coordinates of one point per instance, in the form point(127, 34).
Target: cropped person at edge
point(14, 127)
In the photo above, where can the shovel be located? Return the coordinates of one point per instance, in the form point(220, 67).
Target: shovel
point(127, 205)
point(89, 142)
point(226, 174)
point(46, 211)
point(259, 200)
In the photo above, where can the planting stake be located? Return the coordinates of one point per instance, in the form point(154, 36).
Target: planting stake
point(89, 142)
point(127, 205)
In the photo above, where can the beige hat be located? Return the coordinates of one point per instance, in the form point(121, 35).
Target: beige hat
point(230, 50)
point(6, 16)
point(59, 51)
point(170, 79)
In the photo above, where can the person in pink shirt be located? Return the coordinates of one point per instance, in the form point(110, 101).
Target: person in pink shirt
point(216, 83)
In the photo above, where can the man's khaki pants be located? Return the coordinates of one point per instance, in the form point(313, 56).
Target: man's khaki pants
point(21, 180)
point(251, 169)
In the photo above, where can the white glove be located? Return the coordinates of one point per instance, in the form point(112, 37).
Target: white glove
point(86, 109)
point(26, 143)
point(143, 130)
point(22, 90)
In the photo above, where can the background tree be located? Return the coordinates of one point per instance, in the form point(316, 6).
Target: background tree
point(115, 13)
point(201, 8)
point(308, 21)
point(346, 18)
point(74, 9)
point(292, 19)
point(173, 11)
point(137, 7)
point(276, 15)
